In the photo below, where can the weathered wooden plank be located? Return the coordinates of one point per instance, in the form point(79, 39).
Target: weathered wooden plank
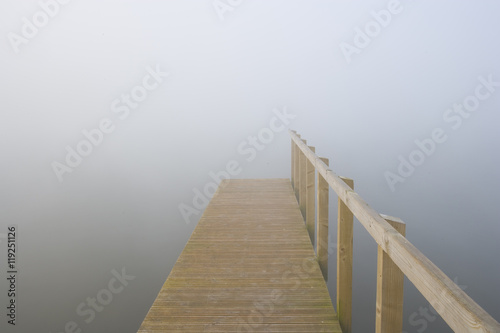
point(249, 266)
point(252, 324)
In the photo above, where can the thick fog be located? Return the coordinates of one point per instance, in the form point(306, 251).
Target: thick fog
point(118, 118)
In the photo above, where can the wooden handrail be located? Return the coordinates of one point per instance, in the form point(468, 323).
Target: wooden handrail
point(458, 310)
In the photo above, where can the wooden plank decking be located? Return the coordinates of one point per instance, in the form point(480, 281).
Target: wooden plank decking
point(249, 266)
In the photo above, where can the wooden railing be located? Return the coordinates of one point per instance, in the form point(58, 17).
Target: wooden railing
point(396, 255)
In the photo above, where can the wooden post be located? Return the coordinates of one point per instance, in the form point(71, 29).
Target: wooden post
point(292, 158)
point(310, 194)
point(303, 185)
point(298, 153)
point(390, 280)
point(322, 194)
point(344, 263)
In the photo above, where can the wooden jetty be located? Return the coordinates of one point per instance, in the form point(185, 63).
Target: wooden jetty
point(250, 265)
